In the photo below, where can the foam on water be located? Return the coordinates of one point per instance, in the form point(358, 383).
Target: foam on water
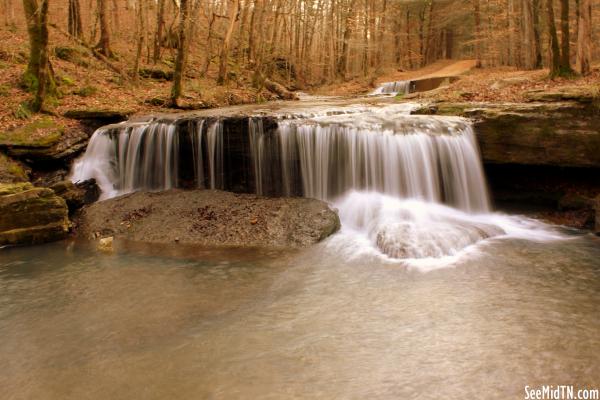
point(422, 234)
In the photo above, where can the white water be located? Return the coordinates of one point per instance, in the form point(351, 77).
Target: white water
point(407, 187)
point(392, 88)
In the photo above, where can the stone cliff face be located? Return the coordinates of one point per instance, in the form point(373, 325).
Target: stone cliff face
point(30, 215)
point(563, 134)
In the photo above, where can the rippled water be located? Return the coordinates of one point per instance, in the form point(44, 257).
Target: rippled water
point(161, 324)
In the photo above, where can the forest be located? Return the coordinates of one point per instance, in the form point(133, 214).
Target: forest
point(300, 44)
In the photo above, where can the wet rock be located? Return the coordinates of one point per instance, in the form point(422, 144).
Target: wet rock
point(43, 141)
point(210, 218)
point(575, 202)
point(30, 215)
point(77, 194)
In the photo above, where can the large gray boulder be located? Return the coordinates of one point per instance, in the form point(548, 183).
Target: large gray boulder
point(209, 218)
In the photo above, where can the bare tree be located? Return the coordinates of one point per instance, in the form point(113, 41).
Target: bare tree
point(74, 23)
point(232, 10)
point(103, 46)
point(38, 76)
point(177, 87)
point(584, 38)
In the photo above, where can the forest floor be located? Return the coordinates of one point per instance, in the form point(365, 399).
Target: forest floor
point(86, 83)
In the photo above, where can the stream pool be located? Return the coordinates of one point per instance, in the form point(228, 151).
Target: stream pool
point(168, 323)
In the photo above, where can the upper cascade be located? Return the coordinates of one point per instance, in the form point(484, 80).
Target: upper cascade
point(320, 153)
point(393, 88)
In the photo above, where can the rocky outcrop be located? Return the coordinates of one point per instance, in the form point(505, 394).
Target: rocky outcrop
point(77, 194)
point(30, 215)
point(99, 116)
point(44, 141)
point(209, 218)
point(565, 134)
point(12, 171)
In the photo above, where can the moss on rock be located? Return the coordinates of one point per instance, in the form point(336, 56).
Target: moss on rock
point(41, 133)
point(12, 171)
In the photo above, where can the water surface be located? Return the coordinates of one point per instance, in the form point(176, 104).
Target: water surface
point(314, 324)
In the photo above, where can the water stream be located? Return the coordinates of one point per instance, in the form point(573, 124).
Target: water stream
point(426, 292)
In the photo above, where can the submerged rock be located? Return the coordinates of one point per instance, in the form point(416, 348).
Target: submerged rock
point(30, 215)
point(210, 218)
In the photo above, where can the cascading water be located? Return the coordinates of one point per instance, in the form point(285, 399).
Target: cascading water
point(393, 88)
point(407, 187)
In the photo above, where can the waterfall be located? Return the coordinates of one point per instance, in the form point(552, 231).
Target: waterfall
point(393, 88)
point(411, 186)
point(378, 150)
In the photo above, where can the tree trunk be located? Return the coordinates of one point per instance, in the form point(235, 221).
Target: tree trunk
point(565, 56)
point(232, 10)
point(554, 48)
point(103, 45)
point(74, 24)
point(38, 76)
point(342, 67)
point(529, 53)
point(177, 88)
point(584, 38)
point(140, 39)
point(537, 34)
point(160, 26)
point(381, 39)
point(478, 38)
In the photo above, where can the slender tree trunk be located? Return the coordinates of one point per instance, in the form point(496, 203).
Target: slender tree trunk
point(554, 47)
point(74, 23)
point(537, 34)
point(478, 38)
point(529, 53)
point(342, 67)
point(140, 29)
point(565, 56)
point(177, 88)
point(381, 38)
point(584, 38)
point(232, 10)
point(160, 26)
point(103, 45)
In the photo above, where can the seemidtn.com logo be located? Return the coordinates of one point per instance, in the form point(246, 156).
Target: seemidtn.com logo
point(560, 392)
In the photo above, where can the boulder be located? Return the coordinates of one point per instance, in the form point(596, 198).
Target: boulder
point(43, 141)
point(77, 194)
point(30, 215)
point(209, 218)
